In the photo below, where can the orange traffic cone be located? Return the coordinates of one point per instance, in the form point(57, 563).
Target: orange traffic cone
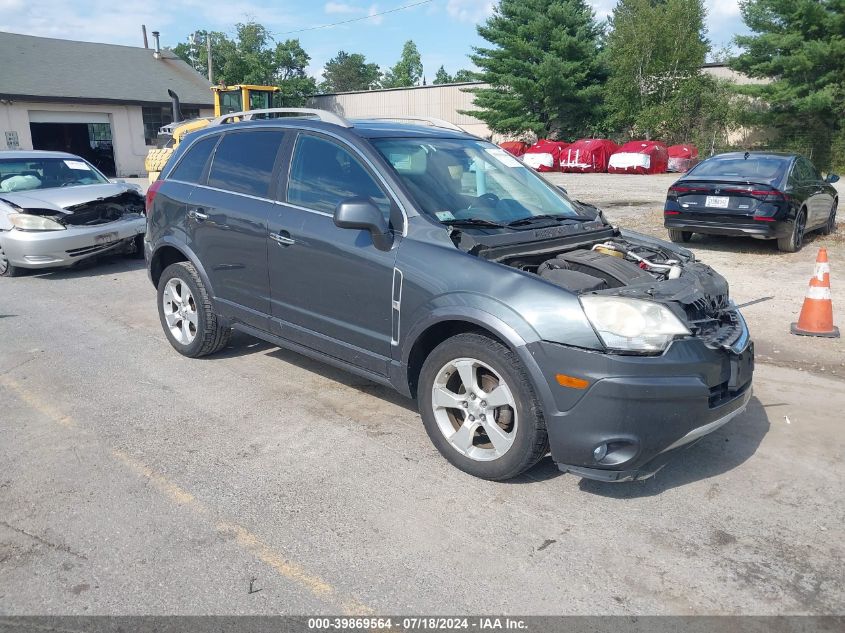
point(816, 317)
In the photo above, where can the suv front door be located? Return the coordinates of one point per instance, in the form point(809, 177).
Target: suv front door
point(331, 288)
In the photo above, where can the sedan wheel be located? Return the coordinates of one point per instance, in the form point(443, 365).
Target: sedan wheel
point(830, 225)
point(795, 240)
point(474, 409)
point(6, 269)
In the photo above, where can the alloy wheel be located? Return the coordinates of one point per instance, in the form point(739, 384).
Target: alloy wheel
point(4, 263)
point(798, 231)
point(474, 409)
point(180, 311)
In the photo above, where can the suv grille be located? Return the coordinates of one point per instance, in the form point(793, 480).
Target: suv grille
point(725, 329)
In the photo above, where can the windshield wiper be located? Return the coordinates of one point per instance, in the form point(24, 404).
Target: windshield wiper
point(474, 222)
point(533, 218)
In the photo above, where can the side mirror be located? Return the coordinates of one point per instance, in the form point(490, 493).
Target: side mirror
point(831, 178)
point(361, 213)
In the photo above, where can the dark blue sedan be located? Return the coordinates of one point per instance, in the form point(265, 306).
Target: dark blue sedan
point(765, 195)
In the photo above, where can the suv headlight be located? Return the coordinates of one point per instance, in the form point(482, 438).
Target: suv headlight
point(27, 222)
point(633, 325)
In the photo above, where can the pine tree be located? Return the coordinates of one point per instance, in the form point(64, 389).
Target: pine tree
point(799, 45)
point(407, 71)
point(543, 68)
point(442, 77)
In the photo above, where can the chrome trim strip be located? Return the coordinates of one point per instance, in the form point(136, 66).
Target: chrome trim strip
point(396, 304)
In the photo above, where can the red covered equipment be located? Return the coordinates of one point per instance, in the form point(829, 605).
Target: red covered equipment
point(544, 155)
point(639, 157)
point(587, 155)
point(682, 157)
point(517, 148)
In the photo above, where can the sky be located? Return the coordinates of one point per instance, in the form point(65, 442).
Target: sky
point(444, 30)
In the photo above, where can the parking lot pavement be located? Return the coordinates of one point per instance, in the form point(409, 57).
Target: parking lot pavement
point(134, 480)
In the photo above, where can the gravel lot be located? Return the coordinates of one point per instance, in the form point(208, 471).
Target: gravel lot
point(134, 480)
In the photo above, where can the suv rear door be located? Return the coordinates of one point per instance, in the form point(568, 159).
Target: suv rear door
point(227, 222)
point(331, 287)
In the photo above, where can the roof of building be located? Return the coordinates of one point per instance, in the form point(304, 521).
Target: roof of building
point(46, 69)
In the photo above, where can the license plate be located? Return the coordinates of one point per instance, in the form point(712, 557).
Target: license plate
point(105, 238)
point(717, 202)
point(742, 367)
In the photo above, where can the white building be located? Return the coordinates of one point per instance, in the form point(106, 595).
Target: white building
point(101, 101)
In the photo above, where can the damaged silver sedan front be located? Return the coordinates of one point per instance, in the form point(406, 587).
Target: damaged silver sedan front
point(56, 209)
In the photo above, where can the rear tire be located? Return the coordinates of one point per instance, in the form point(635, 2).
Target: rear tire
point(493, 440)
point(795, 240)
point(186, 312)
point(679, 236)
point(6, 269)
point(830, 226)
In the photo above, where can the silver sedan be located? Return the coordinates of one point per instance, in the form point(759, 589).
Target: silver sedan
point(57, 209)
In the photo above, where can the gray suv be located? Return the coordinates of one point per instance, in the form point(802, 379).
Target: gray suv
point(429, 260)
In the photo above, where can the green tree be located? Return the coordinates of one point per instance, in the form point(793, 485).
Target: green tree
point(407, 71)
point(349, 71)
point(442, 77)
point(252, 58)
point(655, 51)
point(543, 68)
point(289, 64)
point(464, 75)
point(799, 46)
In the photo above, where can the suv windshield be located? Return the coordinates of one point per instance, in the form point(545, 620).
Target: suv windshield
point(458, 180)
point(46, 173)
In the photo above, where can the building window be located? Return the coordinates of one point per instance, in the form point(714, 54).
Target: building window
point(156, 117)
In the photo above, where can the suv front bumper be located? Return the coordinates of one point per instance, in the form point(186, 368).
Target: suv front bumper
point(637, 410)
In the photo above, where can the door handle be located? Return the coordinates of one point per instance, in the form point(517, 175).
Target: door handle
point(197, 214)
point(282, 238)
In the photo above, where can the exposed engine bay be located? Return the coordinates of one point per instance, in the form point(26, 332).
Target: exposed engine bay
point(646, 269)
point(94, 212)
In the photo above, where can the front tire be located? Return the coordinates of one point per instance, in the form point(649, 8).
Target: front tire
point(679, 236)
point(186, 313)
point(479, 408)
point(795, 240)
point(830, 226)
point(6, 269)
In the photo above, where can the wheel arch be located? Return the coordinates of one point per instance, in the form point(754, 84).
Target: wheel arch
point(168, 253)
point(426, 337)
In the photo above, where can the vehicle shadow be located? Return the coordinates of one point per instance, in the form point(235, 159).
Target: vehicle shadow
point(104, 265)
point(717, 453)
point(747, 245)
point(243, 344)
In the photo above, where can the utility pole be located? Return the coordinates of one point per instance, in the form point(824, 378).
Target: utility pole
point(208, 51)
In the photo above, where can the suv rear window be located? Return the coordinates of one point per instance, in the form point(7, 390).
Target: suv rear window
point(243, 162)
point(192, 165)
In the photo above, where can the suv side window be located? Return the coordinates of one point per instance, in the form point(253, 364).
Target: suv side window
point(192, 166)
point(323, 173)
point(243, 162)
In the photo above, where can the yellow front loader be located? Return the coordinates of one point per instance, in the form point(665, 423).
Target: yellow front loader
point(227, 99)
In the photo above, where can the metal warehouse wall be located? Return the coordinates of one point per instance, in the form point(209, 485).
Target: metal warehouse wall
point(441, 101)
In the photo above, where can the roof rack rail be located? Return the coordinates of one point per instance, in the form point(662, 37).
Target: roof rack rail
point(428, 119)
point(322, 115)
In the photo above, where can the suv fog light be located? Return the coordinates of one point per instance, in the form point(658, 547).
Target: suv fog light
point(599, 452)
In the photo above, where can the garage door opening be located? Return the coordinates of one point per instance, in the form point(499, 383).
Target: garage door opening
point(92, 141)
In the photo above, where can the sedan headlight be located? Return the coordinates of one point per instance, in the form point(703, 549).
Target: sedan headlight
point(27, 222)
point(633, 325)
